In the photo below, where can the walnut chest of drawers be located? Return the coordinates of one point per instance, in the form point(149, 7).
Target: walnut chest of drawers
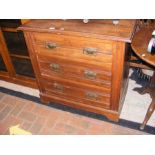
point(81, 65)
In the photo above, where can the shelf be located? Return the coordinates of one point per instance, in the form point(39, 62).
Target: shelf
point(6, 29)
point(20, 56)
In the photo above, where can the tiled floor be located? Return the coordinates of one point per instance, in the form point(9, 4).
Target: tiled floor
point(40, 119)
point(134, 108)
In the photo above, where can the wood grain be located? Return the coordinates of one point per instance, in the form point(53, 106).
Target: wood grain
point(72, 70)
point(73, 92)
point(84, 66)
point(140, 43)
point(95, 29)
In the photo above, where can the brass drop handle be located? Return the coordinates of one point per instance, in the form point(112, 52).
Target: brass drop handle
point(91, 95)
point(55, 67)
point(51, 45)
point(90, 74)
point(90, 51)
point(58, 87)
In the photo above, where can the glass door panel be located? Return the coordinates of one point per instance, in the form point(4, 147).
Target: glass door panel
point(10, 23)
point(18, 52)
point(16, 43)
point(23, 66)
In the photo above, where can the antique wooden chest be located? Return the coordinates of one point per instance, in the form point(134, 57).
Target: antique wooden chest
point(81, 65)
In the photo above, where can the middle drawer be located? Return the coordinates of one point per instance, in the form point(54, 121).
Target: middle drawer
point(75, 71)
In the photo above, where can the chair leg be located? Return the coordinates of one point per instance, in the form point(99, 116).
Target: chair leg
point(153, 79)
point(148, 114)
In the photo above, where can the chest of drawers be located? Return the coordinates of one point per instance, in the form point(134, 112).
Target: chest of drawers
point(81, 65)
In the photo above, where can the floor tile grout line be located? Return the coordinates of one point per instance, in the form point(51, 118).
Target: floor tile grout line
point(18, 115)
point(43, 125)
point(9, 126)
point(21, 110)
point(3, 108)
point(77, 126)
point(46, 119)
point(7, 114)
point(56, 122)
point(73, 112)
point(32, 125)
point(24, 121)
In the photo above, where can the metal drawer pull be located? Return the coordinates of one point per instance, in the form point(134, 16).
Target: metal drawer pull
point(58, 87)
point(91, 95)
point(90, 51)
point(51, 45)
point(55, 67)
point(90, 74)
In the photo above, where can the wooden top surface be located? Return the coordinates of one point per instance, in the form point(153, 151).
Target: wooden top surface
point(97, 28)
point(140, 43)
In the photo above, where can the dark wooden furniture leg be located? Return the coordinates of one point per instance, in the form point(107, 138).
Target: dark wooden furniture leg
point(148, 114)
point(151, 90)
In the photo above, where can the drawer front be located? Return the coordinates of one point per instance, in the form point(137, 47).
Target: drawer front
point(87, 49)
point(90, 74)
point(73, 92)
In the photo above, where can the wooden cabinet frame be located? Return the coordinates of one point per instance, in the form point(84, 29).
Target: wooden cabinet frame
point(11, 75)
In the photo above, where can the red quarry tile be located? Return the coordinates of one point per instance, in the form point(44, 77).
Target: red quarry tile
point(36, 109)
point(46, 131)
point(101, 128)
point(12, 120)
point(38, 124)
point(55, 110)
point(64, 117)
point(79, 123)
point(18, 108)
point(9, 100)
point(98, 130)
point(92, 120)
point(39, 119)
point(51, 121)
point(26, 125)
point(28, 116)
point(9, 122)
point(81, 132)
point(45, 112)
point(62, 128)
point(42, 111)
point(3, 128)
point(2, 105)
point(5, 112)
point(7, 132)
point(30, 106)
point(1, 95)
point(36, 128)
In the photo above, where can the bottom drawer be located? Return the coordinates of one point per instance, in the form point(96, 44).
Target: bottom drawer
point(76, 93)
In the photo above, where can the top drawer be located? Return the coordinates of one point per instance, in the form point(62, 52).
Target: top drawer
point(82, 49)
point(88, 45)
